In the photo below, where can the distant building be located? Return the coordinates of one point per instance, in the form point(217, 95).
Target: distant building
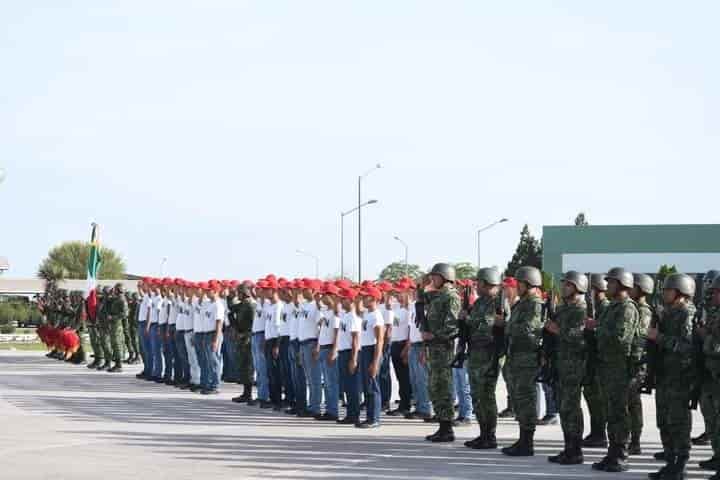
point(4, 264)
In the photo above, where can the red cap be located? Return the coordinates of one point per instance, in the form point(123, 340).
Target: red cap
point(384, 286)
point(348, 293)
point(234, 283)
point(331, 289)
point(371, 292)
point(202, 285)
point(271, 284)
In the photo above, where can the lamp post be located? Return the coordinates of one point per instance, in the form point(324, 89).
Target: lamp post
point(487, 227)
point(314, 257)
point(342, 234)
point(360, 179)
point(2, 174)
point(162, 266)
point(406, 252)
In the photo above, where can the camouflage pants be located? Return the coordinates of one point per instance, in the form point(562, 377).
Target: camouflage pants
point(441, 382)
point(636, 413)
point(243, 351)
point(673, 416)
point(508, 383)
point(596, 403)
point(708, 402)
point(131, 343)
point(571, 370)
point(615, 379)
point(524, 390)
point(483, 384)
point(95, 342)
point(116, 338)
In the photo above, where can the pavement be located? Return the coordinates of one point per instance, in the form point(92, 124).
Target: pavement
point(59, 421)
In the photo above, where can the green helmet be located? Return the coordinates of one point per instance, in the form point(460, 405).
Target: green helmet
point(578, 279)
point(244, 290)
point(681, 282)
point(491, 276)
point(644, 283)
point(529, 275)
point(622, 276)
point(445, 270)
point(119, 287)
point(106, 290)
point(709, 278)
point(598, 282)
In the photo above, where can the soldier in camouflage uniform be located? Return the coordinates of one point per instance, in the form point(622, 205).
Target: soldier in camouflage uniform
point(674, 339)
point(711, 383)
point(94, 334)
point(80, 356)
point(483, 361)
point(116, 315)
point(592, 390)
point(616, 333)
point(706, 400)
point(644, 286)
point(130, 330)
point(523, 333)
point(439, 332)
point(569, 326)
point(103, 329)
point(243, 315)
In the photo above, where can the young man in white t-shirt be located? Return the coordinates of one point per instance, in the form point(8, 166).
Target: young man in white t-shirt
point(308, 335)
point(400, 340)
point(373, 335)
point(182, 377)
point(417, 365)
point(272, 313)
point(288, 386)
point(385, 307)
point(258, 348)
point(295, 352)
point(349, 355)
point(213, 324)
point(327, 350)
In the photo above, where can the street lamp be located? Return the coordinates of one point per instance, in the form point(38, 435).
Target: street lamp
point(487, 227)
point(360, 179)
point(406, 253)
point(162, 266)
point(2, 174)
point(342, 234)
point(314, 257)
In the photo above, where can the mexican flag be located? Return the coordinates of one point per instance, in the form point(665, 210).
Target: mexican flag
point(93, 269)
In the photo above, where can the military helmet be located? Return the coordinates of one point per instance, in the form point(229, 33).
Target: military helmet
point(106, 290)
point(119, 287)
point(644, 283)
point(622, 276)
point(445, 270)
point(681, 282)
point(491, 276)
point(578, 279)
point(529, 275)
point(598, 282)
point(709, 278)
point(715, 284)
point(244, 290)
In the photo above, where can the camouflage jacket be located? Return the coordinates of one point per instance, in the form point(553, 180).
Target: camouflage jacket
point(711, 344)
point(481, 320)
point(570, 317)
point(524, 330)
point(244, 313)
point(442, 314)
point(616, 331)
point(117, 307)
point(675, 340)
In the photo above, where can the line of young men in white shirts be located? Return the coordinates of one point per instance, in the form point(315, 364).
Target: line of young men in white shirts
point(313, 344)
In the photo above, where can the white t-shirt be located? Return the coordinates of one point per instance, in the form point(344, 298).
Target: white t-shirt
point(284, 329)
point(144, 308)
point(180, 317)
point(155, 307)
point(401, 327)
point(294, 320)
point(370, 321)
point(213, 311)
point(328, 323)
point(273, 316)
point(349, 323)
point(172, 316)
point(164, 311)
point(387, 314)
point(258, 324)
point(196, 312)
point(308, 328)
point(415, 333)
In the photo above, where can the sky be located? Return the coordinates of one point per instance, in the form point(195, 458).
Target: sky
point(226, 135)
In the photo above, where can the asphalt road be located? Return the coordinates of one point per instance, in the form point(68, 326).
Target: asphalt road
point(60, 421)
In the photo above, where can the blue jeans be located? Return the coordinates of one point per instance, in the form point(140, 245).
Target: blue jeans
point(550, 405)
point(462, 392)
point(182, 364)
point(331, 376)
point(201, 354)
point(258, 356)
point(144, 348)
point(373, 399)
point(168, 349)
point(313, 375)
point(384, 376)
point(193, 362)
point(419, 380)
point(298, 375)
point(156, 360)
point(350, 384)
point(286, 371)
point(214, 361)
point(273, 369)
point(230, 370)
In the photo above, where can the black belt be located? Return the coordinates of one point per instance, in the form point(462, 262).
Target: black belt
point(309, 340)
point(417, 343)
point(326, 347)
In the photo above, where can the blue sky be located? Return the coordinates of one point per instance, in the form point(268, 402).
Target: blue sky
point(226, 135)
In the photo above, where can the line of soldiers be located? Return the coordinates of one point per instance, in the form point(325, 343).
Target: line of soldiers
point(307, 343)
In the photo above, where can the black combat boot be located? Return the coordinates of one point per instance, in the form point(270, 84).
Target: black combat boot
point(105, 365)
point(445, 434)
point(701, 440)
point(597, 437)
point(618, 462)
point(665, 470)
point(477, 440)
point(634, 448)
point(560, 456)
point(661, 455)
point(606, 460)
point(94, 364)
point(490, 442)
point(679, 469)
point(524, 447)
point(117, 368)
point(573, 453)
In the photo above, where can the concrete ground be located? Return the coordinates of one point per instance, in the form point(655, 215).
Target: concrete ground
point(60, 421)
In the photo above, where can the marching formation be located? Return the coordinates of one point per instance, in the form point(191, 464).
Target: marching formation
point(310, 346)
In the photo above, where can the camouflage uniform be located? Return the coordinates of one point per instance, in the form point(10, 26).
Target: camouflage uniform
point(635, 401)
point(711, 385)
point(571, 359)
point(593, 393)
point(117, 315)
point(130, 329)
point(616, 333)
point(244, 314)
point(523, 332)
point(442, 322)
point(481, 365)
point(103, 330)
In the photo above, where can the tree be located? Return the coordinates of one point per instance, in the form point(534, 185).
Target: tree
point(465, 270)
point(581, 220)
point(69, 261)
point(396, 270)
point(528, 253)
